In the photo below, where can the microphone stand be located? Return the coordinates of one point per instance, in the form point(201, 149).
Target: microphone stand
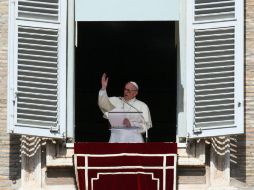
point(146, 136)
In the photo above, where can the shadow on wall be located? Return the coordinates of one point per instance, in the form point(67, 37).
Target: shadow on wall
point(238, 158)
point(14, 159)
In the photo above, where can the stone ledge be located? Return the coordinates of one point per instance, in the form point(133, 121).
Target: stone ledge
point(60, 162)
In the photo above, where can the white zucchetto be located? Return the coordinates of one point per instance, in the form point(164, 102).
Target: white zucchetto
point(134, 83)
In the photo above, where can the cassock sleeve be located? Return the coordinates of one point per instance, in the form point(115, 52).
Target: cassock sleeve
point(103, 101)
point(147, 118)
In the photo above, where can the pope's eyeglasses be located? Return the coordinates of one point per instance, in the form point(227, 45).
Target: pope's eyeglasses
point(128, 90)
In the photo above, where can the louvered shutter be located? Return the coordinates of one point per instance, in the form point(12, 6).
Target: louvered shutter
point(39, 67)
point(214, 67)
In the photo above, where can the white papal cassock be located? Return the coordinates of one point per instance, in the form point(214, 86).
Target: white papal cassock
point(128, 135)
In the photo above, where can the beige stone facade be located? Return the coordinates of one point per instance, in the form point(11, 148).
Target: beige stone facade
point(249, 92)
point(242, 165)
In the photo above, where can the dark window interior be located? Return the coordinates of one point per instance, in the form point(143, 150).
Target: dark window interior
point(144, 52)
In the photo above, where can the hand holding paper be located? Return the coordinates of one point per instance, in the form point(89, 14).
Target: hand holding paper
point(120, 118)
point(126, 122)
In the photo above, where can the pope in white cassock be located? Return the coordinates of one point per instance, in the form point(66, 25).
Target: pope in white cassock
point(131, 129)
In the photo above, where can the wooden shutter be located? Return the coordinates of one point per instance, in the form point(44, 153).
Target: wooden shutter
point(39, 68)
point(214, 67)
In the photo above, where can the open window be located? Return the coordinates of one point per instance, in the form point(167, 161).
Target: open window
point(141, 51)
point(133, 41)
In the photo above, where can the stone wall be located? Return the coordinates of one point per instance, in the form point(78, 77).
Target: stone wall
point(249, 90)
point(9, 144)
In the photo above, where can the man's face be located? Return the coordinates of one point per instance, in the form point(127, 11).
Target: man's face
point(130, 91)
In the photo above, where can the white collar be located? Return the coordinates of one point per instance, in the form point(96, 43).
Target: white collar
point(132, 100)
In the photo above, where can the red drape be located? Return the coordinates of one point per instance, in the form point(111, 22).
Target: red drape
point(125, 166)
